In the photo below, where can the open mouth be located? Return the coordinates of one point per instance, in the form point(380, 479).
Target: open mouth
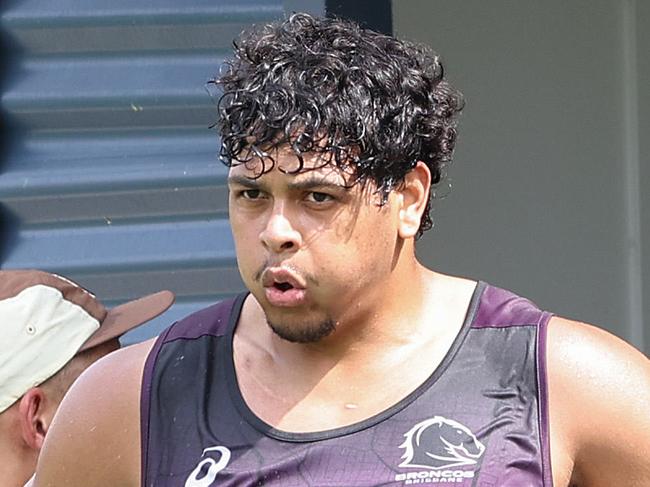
point(282, 286)
point(285, 291)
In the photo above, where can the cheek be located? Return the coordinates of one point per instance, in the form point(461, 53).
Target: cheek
point(377, 231)
point(241, 235)
point(245, 238)
point(376, 245)
point(245, 227)
point(363, 255)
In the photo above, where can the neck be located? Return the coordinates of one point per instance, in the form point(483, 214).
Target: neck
point(17, 465)
point(384, 318)
point(310, 387)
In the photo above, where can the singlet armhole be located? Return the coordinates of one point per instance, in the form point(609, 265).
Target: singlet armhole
point(542, 387)
point(225, 310)
point(145, 403)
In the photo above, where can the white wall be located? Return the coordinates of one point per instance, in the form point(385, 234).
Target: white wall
point(549, 179)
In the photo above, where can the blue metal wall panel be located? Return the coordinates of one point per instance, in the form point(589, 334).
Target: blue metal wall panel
point(111, 175)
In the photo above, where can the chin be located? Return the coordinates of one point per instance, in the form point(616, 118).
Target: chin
point(303, 332)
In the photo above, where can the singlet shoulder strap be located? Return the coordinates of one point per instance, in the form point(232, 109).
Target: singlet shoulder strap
point(214, 320)
point(500, 308)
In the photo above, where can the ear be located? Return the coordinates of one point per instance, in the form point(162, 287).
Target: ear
point(413, 196)
point(34, 417)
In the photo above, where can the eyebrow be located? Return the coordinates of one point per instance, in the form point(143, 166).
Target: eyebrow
point(244, 181)
point(304, 184)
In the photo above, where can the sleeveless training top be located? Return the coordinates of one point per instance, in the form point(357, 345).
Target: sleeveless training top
point(479, 420)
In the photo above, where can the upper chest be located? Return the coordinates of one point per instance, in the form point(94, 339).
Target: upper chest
point(477, 416)
point(335, 397)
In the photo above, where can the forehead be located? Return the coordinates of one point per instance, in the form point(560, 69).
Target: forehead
point(284, 164)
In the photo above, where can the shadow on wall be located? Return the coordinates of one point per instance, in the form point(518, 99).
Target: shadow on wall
point(8, 232)
point(9, 54)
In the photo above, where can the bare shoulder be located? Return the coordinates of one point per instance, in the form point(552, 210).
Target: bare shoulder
point(94, 438)
point(599, 401)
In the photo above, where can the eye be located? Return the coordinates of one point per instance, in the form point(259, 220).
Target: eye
point(318, 197)
point(250, 194)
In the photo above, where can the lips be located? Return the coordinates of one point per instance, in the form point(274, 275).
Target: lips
point(281, 275)
point(283, 287)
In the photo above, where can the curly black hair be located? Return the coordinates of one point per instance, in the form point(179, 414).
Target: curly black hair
point(373, 104)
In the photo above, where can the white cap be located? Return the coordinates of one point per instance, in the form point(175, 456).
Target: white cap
point(45, 320)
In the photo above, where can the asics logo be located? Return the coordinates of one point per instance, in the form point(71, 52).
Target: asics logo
point(207, 469)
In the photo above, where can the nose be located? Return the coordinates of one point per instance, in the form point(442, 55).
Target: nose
point(280, 235)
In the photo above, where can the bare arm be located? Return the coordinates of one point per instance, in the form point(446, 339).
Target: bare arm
point(94, 439)
point(599, 390)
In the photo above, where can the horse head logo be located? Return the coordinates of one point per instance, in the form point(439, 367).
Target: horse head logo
point(439, 442)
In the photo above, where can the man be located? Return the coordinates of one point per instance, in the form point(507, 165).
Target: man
point(348, 363)
point(51, 330)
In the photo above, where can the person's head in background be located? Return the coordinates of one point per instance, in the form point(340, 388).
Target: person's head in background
point(51, 330)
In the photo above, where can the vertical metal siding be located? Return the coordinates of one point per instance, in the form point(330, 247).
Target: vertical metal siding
point(112, 176)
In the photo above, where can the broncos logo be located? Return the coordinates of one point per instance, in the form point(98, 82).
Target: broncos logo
point(440, 443)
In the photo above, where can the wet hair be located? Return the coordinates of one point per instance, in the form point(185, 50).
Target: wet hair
point(372, 104)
